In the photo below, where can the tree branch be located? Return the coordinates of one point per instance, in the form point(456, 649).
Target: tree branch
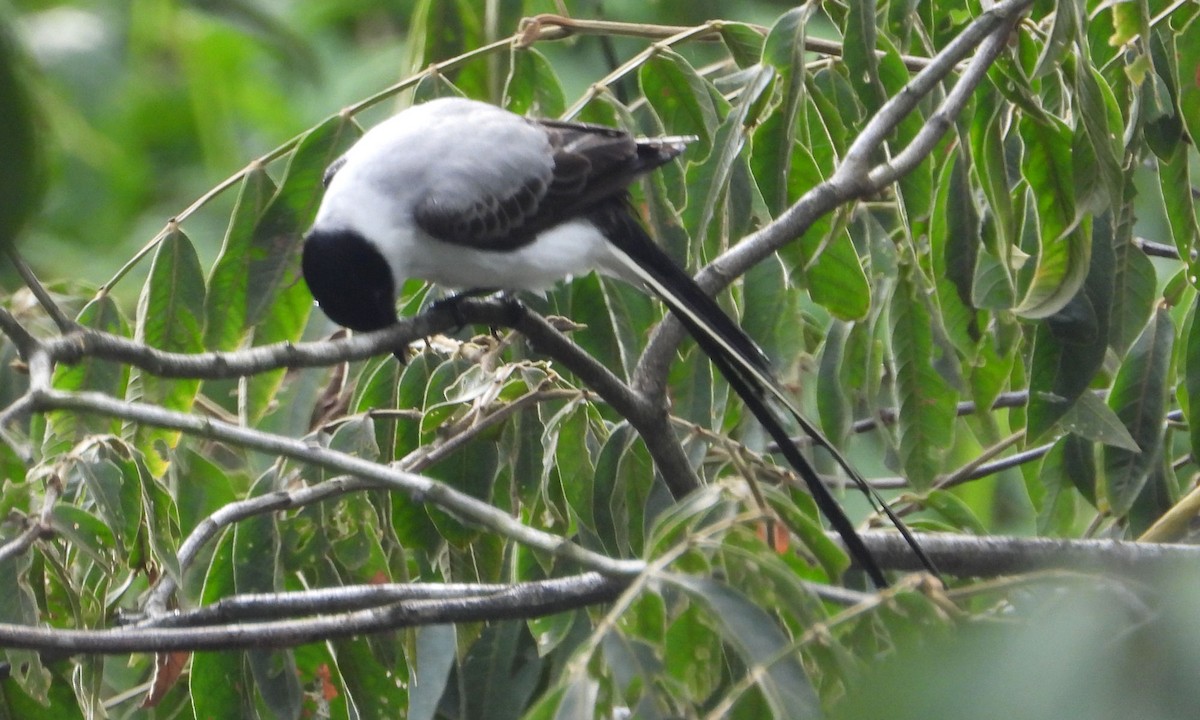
point(417, 487)
point(974, 556)
point(520, 601)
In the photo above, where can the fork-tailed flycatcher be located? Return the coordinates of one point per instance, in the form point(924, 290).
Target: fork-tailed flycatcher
point(467, 195)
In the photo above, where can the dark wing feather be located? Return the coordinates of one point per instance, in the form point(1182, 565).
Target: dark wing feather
point(591, 165)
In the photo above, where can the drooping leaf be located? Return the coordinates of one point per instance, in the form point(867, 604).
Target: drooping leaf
point(1069, 347)
point(1090, 418)
point(532, 88)
point(764, 650)
point(428, 675)
point(681, 98)
point(255, 568)
point(926, 400)
point(229, 282)
point(1175, 180)
point(745, 43)
point(1065, 239)
point(1063, 31)
point(709, 181)
point(171, 318)
point(499, 673)
point(1138, 397)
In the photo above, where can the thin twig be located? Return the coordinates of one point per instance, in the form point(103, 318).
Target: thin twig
point(64, 323)
point(35, 528)
point(556, 27)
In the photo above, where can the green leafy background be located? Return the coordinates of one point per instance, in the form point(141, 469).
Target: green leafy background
point(1012, 260)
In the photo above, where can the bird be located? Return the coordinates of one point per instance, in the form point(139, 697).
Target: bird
point(467, 195)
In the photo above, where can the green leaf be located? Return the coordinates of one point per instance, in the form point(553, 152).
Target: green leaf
point(681, 98)
point(532, 87)
point(927, 402)
point(1191, 383)
point(801, 514)
point(1187, 43)
point(955, 240)
point(709, 182)
point(1175, 181)
point(114, 483)
point(612, 485)
point(1127, 23)
point(255, 269)
point(1090, 418)
point(1158, 77)
point(825, 254)
point(228, 284)
point(837, 281)
point(1051, 491)
point(955, 511)
point(776, 137)
point(499, 673)
point(89, 374)
point(25, 699)
point(1065, 239)
point(284, 323)
point(428, 675)
point(859, 42)
point(255, 570)
point(171, 318)
point(991, 172)
point(745, 43)
point(1138, 396)
point(1135, 286)
point(833, 407)
point(217, 679)
point(1065, 28)
point(1069, 347)
point(568, 461)
point(368, 670)
point(86, 532)
point(1101, 121)
point(766, 652)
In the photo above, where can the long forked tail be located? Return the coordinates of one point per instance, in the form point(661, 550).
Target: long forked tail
point(745, 368)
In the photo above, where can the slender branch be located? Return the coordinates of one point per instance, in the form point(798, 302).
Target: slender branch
point(975, 556)
point(1177, 522)
point(555, 27)
point(522, 601)
point(64, 323)
point(1157, 249)
point(277, 606)
point(10, 326)
point(418, 487)
point(35, 528)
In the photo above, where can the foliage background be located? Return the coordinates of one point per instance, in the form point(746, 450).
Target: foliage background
point(1075, 152)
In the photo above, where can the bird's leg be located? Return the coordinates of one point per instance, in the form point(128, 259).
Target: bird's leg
point(452, 302)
